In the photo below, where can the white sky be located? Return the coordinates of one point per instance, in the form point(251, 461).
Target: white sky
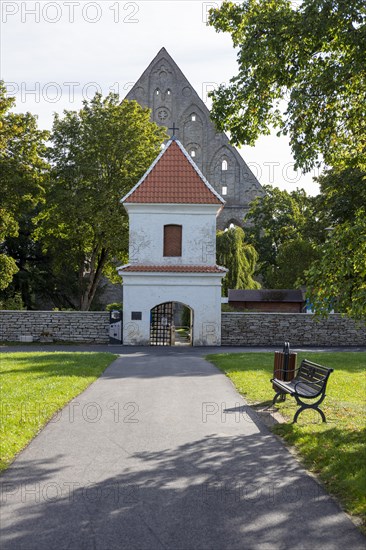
point(55, 53)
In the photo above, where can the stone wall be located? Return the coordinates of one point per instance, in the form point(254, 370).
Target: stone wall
point(238, 329)
point(300, 329)
point(62, 326)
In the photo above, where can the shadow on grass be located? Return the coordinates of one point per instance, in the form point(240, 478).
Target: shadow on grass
point(58, 364)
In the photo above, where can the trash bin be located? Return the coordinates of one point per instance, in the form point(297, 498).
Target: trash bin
point(284, 364)
point(115, 326)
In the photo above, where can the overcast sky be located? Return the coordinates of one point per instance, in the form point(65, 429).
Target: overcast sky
point(55, 53)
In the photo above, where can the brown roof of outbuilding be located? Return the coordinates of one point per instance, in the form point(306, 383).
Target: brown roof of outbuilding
point(173, 268)
point(173, 178)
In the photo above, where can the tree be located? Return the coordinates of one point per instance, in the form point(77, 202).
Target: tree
point(310, 55)
point(238, 257)
point(36, 280)
point(294, 258)
point(342, 194)
point(338, 279)
point(97, 155)
point(23, 174)
point(8, 267)
point(276, 220)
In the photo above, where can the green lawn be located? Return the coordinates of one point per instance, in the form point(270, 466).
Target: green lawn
point(33, 386)
point(336, 451)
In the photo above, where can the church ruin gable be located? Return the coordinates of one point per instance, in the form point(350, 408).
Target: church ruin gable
point(167, 92)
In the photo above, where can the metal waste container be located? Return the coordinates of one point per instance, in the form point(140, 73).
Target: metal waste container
point(284, 364)
point(115, 326)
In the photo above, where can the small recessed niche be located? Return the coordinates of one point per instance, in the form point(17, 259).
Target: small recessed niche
point(224, 190)
point(224, 165)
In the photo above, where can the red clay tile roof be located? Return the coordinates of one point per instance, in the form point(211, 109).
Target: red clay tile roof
point(134, 268)
point(173, 178)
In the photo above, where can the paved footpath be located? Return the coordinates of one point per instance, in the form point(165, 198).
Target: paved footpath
point(162, 453)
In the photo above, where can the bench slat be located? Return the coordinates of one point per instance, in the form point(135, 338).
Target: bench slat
point(301, 389)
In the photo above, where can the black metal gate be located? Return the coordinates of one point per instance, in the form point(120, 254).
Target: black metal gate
point(161, 325)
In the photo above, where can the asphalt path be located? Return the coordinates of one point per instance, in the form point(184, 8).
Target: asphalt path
point(161, 452)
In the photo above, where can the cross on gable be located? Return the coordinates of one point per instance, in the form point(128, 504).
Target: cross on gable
point(173, 130)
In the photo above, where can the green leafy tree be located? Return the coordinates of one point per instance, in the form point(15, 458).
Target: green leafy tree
point(15, 302)
point(294, 258)
point(238, 257)
point(36, 280)
point(274, 221)
point(23, 175)
point(301, 70)
point(338, 279)
point(97, 155)
point(342, 194)
point(8, 267)
point(309, 57)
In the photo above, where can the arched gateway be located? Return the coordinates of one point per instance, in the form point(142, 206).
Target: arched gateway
point(171, 324)
point(172, 218)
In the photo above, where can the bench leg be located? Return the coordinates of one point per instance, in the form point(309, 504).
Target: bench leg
point(280, 396)
point(304, 406)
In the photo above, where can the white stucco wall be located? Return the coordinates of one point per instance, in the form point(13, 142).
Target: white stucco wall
point(147, 233)
point(201, 292)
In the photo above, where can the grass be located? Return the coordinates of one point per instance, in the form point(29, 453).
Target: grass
point(34, 386)
point(183, 332)
point(335, 451)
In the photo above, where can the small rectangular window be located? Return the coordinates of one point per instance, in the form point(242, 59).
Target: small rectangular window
point(136, 315)
point(172, 240)
point(224, 190)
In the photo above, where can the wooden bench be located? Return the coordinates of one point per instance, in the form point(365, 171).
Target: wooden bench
point(310, 382)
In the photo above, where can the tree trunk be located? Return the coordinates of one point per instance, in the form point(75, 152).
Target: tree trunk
point(94, 280)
